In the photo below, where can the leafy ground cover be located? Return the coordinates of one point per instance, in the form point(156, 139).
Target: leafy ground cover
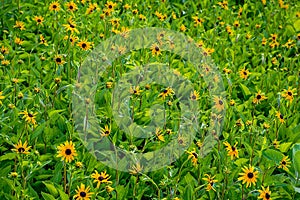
point(255, 47)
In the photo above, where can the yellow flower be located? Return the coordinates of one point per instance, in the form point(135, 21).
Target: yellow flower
point(193, 155)
point(194, 96)
point(58, 60)
point(29, 117)
point(1, 97)
point(21, 148)
point(182, 28)
point(197, 21)
point(71, 26)
point(159, 135)
point(84, 45)
point(232, 150)
point(71, 6)
point(259, 97)
point(285, 163)
point(105, 131)
point(101, 178)
point(155, 49)
point(39, 20)
point(43, 41)
point(166, 92)
point(280, 117)
point(20, 25)
point(137, 168)
point(289, 94)
point(67, 151)
point(19, 41)
point(244, 73)
point(249, 176)
point(135, 90)
point(109, 189)
point(54, 6)
point(110, 5)
point(82, 193)
point(265, 193)
point(219, 104)
point(79, 164)
point(210, 182)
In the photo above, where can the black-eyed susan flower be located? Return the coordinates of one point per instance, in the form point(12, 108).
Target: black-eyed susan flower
point(249, 176)
point(135, 90)
point(193, 156)
point(219, 104)
point(14, 174)
point(236, 23)
point(259, 97)
point(159, 135)
point(232, 102)
point(136, 169)
point(20, 25)
point(39, 20)
point(79, 164)
point(155, 49)
point(182, 28)
point(85, 45)
point(285, 163)
point(58, 60)
point(166, 92)
point(103, 177)
point(83, 193)
point(232, 150)
point(18, 41)
point(280, 117)
point(210, 182)
point(21, 148)
point(197, 21)
point(274, 37)
point(194, 96)
point(244, 73)
point(54, 6)
point(289, 94)
point(43, 40)
point(67, 151)
point(4, 50)
point(110, 5)
point(105, 131)
point(20, 95)
point(71, 26)
point(29, 117)
point(127, 6)
point(1, 97)
point(265, 193)
point(92, 7)
point(135, 11)
point(109, 189)
point(71, 6)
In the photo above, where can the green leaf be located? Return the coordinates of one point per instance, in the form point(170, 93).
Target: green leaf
point(63, 195)
point(47, 196)
point(284, 147)
point(51, 188)
point(273, 155)
point(296, 161)
point(8, 156)
point(241, 161)
point(245, 90)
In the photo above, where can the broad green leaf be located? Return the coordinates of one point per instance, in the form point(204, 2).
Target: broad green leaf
point(47, 196)
point(51, 188)
point(273, 155)
point(245, 90)
point(296, 161)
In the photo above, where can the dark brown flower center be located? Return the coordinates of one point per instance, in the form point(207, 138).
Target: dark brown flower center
point(110, 6)
point(68, 152)
point(250, 175)
point(165, 91)
point(281, 116)
point(72, 26)
point(82, 194)
point(101, 178)
point(268, 196)
point(106, 132)
point(39, 20)
point(258, 96)
point(156, 48)
point(21, 149)
point(283, 162)
point(71, 7)
point(233, 148)
point(54, 6)
point(245, 73)
point(83, 45)
point(194, 97)
point(58, 60)
point(290, 94)
point(220, 102)
point(180, 141)
point(30, 115)
point(195, 155)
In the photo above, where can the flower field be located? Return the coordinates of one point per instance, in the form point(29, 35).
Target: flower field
point(163, 99)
